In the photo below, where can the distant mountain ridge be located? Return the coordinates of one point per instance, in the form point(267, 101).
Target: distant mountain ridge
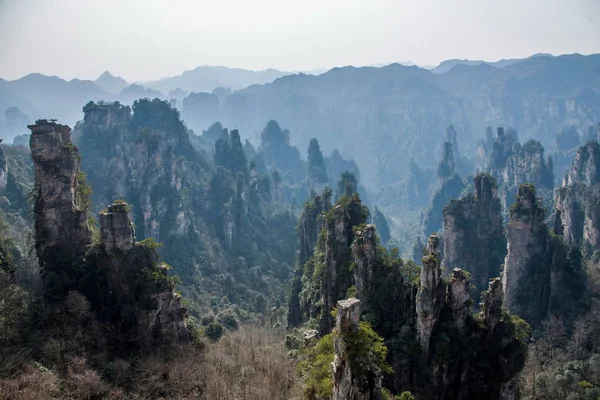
point(111, 83)
point(207, 78)
point(447, 65)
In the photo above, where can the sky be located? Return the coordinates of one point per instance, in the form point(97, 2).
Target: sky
point(148, 39)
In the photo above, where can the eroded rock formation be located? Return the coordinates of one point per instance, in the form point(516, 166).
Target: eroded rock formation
point(431, 294)
point(513, 164)
point(124, 282)
point(352, 379)
point(3, 168)
point(474, 232)
point(578, 200)
point(542, 275)
point(62, 234)
point(527, 245)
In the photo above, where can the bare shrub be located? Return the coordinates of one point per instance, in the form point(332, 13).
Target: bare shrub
point(33, 383)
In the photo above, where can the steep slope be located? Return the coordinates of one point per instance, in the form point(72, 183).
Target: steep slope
point(426, 323)
point(578, 200)
point(219, 228)
point(474, 233)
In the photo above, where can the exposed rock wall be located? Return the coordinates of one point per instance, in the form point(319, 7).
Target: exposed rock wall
point(3, 168)
point(158, 310)
point(336, 262)
point(364, 249)
point(578, 200)
point(431, 294)
point(124, 282)
point(309, 226)
point(61, 231)
point(474, 232)
point(513, 164)
point(526, 277)
point(349, 384)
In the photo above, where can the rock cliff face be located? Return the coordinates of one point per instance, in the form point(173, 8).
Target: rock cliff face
point(474, 233)
point(159, 315)
point(438, 348)
point(449, 186)
point(116, 229)
point(3, 169)
point(586, 166)
point(364, 250)
point(309, 226)
point(578, 200)
point(123, 280)
point(513, 164)
point(542, 275)
point(215, 219)
point(336, 276)
point(431, 294)
point(527, 244)
point(348, 384)
point(61, 231)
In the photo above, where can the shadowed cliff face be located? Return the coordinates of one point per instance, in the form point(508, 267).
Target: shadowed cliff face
point(474, 233)
point(527, 245)
point(123, 281)
point(61, 231)
point(349, 383)
point(578, 200)
point(542, 275)
point(513, 164)
point(457, 349)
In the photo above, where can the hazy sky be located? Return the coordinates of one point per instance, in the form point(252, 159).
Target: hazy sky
point(149, 39)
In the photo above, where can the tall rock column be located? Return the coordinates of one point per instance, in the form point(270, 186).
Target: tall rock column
point(348, 382)
point(431, 294)
point(3, 168)
point(336, 258)
point(474, 233)
point(526, 278)
point(364, 250)
point(61, 232)
point(578, 200)
point(158, 309)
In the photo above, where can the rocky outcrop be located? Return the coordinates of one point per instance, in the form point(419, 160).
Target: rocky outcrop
point(116, 228)
point(449, 186)
point(337, 244)
point(492, 305)
point(513, 164)
point(348, 382)
point(459, 298)
point(364, 250)
point(447, 166)
point(431, 294)
point(137, 281)
point(309, 227)
point(586, 166)
point(3, 168)
point(61, 231)
point(123, 280)
point(474, 233)
point(439, 348)
point(525, 278)
point(578, 200)
point(542, 275)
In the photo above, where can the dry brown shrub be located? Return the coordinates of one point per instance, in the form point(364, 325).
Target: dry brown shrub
point(249, 364)
point(82, 382)
point(33, 383)
point(180, 376)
